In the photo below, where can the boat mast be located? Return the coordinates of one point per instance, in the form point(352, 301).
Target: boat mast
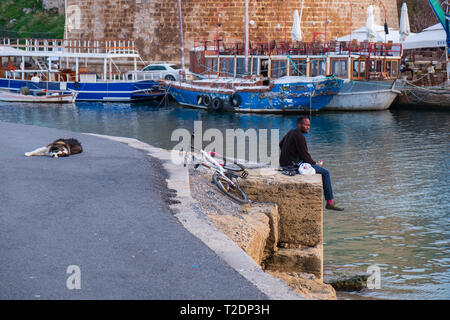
point(180, 21)
point(246, 37)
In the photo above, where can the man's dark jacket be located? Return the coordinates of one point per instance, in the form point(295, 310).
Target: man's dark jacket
point(294, 149)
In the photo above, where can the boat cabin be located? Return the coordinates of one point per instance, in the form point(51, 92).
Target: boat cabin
point(68, 60)
point(346, 60)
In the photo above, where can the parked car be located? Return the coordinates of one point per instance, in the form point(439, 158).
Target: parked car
point(158, 71)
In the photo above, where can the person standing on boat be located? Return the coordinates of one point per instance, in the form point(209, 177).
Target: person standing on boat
point(294, 151)
point(430, 74)
point(36, 78)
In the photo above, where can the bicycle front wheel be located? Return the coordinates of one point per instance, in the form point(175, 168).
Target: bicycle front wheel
point(233, 191)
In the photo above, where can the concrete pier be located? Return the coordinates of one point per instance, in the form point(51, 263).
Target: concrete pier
point(106, 211)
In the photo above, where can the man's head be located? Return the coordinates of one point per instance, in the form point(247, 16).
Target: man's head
point(303, 124)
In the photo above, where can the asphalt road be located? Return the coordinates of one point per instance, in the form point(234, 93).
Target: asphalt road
point(104, 211)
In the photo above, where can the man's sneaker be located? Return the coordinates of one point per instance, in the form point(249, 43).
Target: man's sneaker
point(333, 207)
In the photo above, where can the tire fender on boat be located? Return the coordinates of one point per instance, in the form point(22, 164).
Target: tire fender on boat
point(206, 100)
point(235, 100)
point(216, 104)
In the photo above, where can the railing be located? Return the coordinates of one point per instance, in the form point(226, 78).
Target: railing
point(72, 45)
point(220, 47)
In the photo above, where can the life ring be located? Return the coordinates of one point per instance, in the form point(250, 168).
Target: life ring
point(76, 85)
point(235, 100)
point(206, 100)
point(216, 104)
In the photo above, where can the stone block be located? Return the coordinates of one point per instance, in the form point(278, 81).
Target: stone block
point(308, 260)
point(299, 200)
point(271, 211)
point(307, 285)
point(250, 232)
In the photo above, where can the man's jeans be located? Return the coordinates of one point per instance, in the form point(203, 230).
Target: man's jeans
point(326, 181)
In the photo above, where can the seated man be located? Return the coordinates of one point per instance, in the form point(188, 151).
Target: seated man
point(294, 151)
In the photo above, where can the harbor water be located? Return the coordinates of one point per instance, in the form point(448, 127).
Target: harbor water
point(390, 170)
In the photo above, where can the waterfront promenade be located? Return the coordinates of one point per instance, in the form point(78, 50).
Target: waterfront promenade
point(105, 211)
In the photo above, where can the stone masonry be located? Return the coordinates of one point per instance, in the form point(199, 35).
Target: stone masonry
point(153, 24)
point(299, 201)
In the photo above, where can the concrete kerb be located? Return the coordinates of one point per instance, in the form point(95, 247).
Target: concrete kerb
point(190, 216)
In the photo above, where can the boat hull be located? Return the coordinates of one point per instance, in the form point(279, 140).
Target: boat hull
point(14, 97)
point(363, 96)
point(430, 97)
point(280, 98)
point(87, 91)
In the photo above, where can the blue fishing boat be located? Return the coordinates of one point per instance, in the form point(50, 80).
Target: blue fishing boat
point(256, 94)
point(88, 68)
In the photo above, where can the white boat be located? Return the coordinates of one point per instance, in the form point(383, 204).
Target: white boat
point(45, 98)
point(74, 65)
point(364, 96)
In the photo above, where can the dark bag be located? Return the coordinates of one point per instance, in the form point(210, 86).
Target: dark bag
point(290, 170)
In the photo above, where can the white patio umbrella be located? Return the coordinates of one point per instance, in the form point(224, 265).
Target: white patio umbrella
point(431, 37)
point(405, 30)
point(370, 24)
point(296, 31)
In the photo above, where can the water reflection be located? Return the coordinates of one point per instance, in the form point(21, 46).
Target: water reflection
point(390, 170)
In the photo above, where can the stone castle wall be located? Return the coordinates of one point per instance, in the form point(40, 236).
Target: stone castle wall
point(154, 23)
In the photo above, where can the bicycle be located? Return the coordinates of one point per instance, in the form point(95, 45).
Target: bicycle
point(225, 176)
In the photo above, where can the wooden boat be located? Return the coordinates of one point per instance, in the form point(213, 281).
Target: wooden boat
point(426, 96)
point(282, 95)
point(38, 98)
point(369, 70)
point(364, 96)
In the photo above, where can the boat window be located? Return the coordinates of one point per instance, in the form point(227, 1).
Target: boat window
point(227, 67)
point(379, 66)
point(322, 67)
point(279, 68)
point(355, 68)
point(335, 67)
point(343, 68)
point(388, 68)
point(318, 67)
point(240, 66)
point(362, 69)
point(394, 69)
point(298, 67)
point(339, 68)
point(211, 65)
point(371, 66)
point(255, 65)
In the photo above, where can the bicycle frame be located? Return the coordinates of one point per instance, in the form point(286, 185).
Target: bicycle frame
point(210, 163)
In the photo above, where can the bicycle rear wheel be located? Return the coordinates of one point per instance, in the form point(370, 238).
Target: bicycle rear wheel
point(233, 191)
point(236, 167)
